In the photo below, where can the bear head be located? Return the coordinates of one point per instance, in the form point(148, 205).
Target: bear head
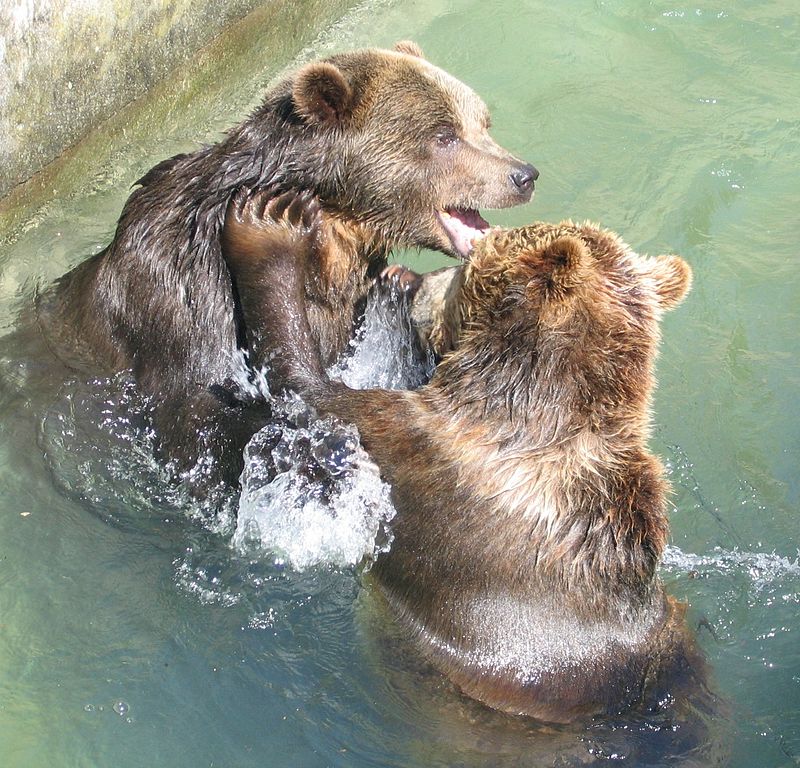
point(400, 146)
point(566, 315)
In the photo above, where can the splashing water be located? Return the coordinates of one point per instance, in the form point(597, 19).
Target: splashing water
point(98, 442)
point(385, 352)
point(762, 568)
point(310, 493)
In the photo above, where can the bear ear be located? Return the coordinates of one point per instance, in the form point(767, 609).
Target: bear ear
point(673, 278)
point(409, 47)
point(559, 267)
point(321, 94)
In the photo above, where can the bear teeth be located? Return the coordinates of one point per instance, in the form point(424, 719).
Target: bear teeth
point(464, 227)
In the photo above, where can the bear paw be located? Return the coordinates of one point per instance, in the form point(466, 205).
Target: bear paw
point(262, 225)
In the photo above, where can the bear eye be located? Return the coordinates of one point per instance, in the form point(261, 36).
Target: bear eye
point(445, 136)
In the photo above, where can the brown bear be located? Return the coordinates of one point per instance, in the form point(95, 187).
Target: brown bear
point(530, 515)
point(398, 154)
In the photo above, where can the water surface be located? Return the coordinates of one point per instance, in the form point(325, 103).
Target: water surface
point(133, 633)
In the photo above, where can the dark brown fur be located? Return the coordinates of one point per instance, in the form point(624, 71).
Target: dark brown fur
point(363, 132)
point(531, 516)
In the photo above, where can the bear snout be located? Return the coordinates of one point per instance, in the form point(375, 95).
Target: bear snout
point(523, 178)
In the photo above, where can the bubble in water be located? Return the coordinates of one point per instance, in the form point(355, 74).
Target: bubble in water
point(121, 708)
point(207, 588)
point(264, 620)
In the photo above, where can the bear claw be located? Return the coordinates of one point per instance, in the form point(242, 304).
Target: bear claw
point(265, 207)
point(403, 278)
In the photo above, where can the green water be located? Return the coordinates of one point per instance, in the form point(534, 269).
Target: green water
point(134, 637)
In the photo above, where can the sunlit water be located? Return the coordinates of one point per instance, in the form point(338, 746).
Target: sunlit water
point(139, 629)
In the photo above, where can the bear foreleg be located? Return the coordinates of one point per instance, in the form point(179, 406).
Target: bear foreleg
point(267, 243)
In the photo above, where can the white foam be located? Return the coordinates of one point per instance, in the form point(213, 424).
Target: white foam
point(311, 496)
point(310, 493)
point(385, 352)
point(762, 568)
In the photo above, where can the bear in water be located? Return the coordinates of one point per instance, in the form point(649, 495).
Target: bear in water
point(531, 516)
point(398, 154)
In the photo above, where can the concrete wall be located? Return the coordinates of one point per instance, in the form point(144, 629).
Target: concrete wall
point(67, 65)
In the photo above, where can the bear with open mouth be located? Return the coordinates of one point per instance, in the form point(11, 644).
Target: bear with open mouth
point(398, 154)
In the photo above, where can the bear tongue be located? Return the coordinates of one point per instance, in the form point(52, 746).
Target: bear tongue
point(463, 226)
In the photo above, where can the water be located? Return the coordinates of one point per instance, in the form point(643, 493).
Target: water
point(311, 495)
point(133, 632)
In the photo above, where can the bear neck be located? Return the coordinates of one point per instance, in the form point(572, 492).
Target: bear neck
point(543, 397)
point(271, 149)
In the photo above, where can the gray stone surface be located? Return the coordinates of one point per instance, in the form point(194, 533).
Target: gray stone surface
point(67, 65)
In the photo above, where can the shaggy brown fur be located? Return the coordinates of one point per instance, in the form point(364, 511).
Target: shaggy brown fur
point(531, 516)
point(389, 144)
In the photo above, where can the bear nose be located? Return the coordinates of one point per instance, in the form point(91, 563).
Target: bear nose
point(523, 177)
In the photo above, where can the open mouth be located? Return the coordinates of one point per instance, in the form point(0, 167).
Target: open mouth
point(464, 227)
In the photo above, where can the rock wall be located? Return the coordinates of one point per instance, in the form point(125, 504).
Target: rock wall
point(67, 65)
